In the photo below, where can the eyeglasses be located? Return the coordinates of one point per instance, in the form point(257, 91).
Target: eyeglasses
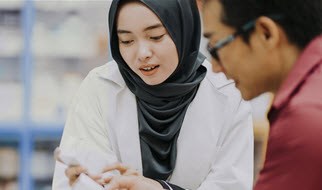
point(213, 50)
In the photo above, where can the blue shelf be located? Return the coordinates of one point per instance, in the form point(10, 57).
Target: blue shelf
point(11, 125)
point(16, 131)
point(27, 25)
point(47, 132)
point(10, 133)
point(25, 180)
point(24, 132)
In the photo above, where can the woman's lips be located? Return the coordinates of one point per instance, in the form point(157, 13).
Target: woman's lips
point(149, 69)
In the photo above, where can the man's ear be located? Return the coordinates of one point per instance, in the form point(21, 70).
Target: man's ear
point(268, 32)
point(199, 4)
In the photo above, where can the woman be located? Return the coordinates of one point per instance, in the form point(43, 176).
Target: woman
point(157, 109)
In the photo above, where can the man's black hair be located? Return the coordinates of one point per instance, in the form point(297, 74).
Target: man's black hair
point(301, 20)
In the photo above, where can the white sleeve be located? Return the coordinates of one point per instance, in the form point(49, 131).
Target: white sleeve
point(85, 125)
point(232, 168)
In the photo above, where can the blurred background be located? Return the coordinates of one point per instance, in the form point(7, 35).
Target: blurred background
point(47, 47)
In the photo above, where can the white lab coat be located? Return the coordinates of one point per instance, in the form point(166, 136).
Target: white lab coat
point(215, 145)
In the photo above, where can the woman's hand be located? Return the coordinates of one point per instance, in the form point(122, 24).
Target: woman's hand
point(123, 169)
point(129, 179)
point(73, 172)
point(132, 182)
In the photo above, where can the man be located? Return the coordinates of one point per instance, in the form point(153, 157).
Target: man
point(276, 46)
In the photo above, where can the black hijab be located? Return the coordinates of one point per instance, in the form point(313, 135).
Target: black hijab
point(162, 108)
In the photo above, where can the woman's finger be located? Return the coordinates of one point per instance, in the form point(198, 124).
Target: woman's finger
point(117, 166)
point(73, 173)
point(120, 182)
point(131, 172)
point(56, 155)
point(108, 180)
point(97, 179)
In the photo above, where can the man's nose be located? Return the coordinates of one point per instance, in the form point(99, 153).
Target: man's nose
point(216, 67)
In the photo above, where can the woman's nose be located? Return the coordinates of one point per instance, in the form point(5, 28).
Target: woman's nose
point(144, 52)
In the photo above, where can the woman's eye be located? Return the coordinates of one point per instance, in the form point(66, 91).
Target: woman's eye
point(126, 42)
point(156, 37)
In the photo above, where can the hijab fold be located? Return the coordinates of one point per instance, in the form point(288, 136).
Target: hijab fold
point(162, 108)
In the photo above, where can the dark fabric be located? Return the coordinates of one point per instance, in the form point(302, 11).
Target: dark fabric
point(294, 150)
point(162, 108)
point(165, 185)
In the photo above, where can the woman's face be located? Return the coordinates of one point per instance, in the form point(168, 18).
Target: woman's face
point(145, 44)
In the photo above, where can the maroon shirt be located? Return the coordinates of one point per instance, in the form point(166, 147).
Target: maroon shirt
point(294, 150)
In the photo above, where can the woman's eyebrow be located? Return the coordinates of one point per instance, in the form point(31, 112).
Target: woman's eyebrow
point(152, 27)
point(120, 31)
point(159, 25)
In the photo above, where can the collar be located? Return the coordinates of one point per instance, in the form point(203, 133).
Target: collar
point(111, 72)
point(308, 59)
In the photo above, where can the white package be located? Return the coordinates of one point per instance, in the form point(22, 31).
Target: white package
point(80, 153)
point(93, 161)
point(86, 183)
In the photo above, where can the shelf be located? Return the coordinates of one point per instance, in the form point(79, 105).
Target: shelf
point(15, 52)
point(15, 124)
point(50, 131)
point(69, 6)
point(44, 41)
point(59, 6)
point(10, 131)
point(16, 130)
point(11, 33)
point(11, 4)
point(9, 56)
